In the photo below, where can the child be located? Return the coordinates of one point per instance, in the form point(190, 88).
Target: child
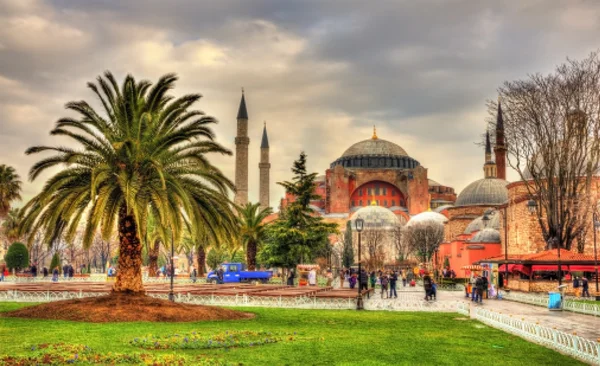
point(384, 285)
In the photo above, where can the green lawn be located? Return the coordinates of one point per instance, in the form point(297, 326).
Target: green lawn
point(322, 337)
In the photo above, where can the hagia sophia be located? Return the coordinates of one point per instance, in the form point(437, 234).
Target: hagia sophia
point(381, 182)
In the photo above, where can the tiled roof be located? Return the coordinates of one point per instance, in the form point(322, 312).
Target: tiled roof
point(552, 255)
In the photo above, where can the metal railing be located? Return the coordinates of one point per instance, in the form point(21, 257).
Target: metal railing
point(570, 344)
point(542, 300)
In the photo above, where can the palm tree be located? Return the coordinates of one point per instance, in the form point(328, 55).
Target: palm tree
point(147, 155)
point(10, 226)
point(252, 230)
point(10, 188)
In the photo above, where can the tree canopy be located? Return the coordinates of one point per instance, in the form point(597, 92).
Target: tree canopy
point(17, 256)
point(10, 188)
point(298, 235)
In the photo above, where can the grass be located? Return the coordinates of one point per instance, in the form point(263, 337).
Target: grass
point(323, 337)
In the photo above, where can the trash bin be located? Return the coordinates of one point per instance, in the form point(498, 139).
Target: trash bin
point(554, 301)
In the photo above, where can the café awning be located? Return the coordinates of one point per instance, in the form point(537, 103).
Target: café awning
point(548, 267)
point(502, 268)
point(576, 268)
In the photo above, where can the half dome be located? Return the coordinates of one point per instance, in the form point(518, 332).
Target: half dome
point(427, 217)
point(487, 191)
point(487, 235)
point(376, 217)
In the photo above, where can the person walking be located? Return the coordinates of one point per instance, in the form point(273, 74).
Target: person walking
point(45, 272)
point(342, 278)
point(479, 286)
point(404, 278)
point(291, 276)
point(352, 280)
point(393, 280)
point(427, 285)
point(71, 271)
point(585, 286)
point(193, 275)
point(384, 280)
point(473, 286)
point(577, 287)
point(55, 274)
point(34, 271)
point(220, 275)
point(65, 269)
point(373, 279)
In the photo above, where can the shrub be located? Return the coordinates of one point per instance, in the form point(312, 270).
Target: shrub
point(17, 256)
point(55, 262)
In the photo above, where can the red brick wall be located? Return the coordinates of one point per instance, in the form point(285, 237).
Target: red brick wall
point(418, 191)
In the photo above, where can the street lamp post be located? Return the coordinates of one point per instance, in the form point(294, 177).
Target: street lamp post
point(596, 228)
point(171, 294)
point(359, 222)
point(505, 247)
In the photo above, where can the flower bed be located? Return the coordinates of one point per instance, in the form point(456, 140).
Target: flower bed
point(61, 354)
point(195, 340)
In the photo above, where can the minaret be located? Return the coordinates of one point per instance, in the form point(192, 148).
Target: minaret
point(241, 155)
point(489, 168)
point(500, 148)
point(264, 166)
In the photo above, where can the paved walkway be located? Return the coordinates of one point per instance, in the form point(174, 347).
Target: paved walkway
point(587, 326)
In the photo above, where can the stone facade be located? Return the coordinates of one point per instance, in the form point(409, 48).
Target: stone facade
point(264, 167)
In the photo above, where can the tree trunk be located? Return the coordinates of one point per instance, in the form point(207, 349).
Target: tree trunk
point(153, 259)
point(251, 255)
point(201, 261)
point(129, 271)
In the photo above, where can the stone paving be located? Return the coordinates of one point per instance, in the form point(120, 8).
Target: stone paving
point(586, 326)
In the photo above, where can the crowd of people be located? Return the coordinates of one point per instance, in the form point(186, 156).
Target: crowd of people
point(388, 281)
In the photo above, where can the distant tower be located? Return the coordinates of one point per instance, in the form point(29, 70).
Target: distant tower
point(241, 154)
point(264, 166)
point(489, 168)
point(500, 148)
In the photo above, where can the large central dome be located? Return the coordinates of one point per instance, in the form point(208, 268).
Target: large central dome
point(375, 153)
point(375, 147)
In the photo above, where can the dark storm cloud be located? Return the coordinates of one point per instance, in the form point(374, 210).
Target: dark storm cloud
point(321, 73)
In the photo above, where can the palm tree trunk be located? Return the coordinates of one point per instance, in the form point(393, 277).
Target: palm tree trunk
point(201, 260)
point(153, 259)
point(251, 255)
point(129, 272)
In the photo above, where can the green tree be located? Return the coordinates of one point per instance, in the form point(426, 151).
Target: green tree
point(146, 155)
point(10, 188)
point(252, 230)
point(215, 257)
point(17, 256)
point(55, 263)
point(10, 225)
point(298, 235)
point(348, 251)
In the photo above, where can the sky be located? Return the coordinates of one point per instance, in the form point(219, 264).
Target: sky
point(320, 73)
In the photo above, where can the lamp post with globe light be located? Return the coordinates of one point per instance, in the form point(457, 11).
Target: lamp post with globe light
point(359, 225)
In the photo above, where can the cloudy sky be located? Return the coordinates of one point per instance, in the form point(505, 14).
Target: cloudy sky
point(321, 73)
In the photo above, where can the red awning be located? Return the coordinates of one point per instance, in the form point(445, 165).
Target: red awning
point(502, 268)
point(521, 268)
point(549, 267)
point(582, 268)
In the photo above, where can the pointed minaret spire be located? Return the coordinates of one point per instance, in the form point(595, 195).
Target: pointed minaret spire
point(264, 144)
point(264, 167)
point(500, 148)
point(242, 112)
point(241, 154)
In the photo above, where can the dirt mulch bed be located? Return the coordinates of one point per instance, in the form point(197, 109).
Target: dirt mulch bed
point(125, 308)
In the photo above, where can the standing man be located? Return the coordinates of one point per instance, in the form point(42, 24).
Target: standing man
point(65, 271)
point(220, 274)
point(291, 276)
point(586, 287)
point(34, 271)
point(393, 280)
point(479, 284)
point(474, 287)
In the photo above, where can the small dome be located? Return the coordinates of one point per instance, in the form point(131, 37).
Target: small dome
point(487, 191)
point(427, 217)
point(376, 217)
point(374, 146)
point(477, 224)
point(487, 235)
point(442, 208)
